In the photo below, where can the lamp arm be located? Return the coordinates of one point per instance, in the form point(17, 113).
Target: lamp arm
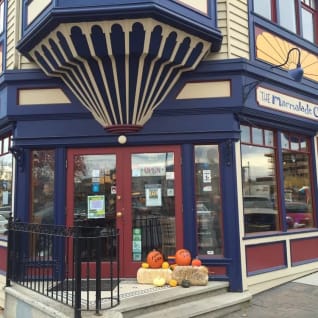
point(287, 58)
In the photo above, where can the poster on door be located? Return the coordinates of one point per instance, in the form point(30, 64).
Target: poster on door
point(95, 206)
point(153, 195)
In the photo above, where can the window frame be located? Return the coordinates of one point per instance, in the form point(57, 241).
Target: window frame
point(309, 5)
point(279, 149)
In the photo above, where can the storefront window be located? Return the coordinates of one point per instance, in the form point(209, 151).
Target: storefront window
point(42, 191)
point(259, 180)
point(208, 200)
point(297, 181)
point(260, 176)
point(5, 185)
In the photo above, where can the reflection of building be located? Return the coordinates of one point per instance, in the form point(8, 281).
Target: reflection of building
point(120, 78)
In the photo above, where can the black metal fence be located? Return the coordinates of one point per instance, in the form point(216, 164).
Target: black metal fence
point(76, 266)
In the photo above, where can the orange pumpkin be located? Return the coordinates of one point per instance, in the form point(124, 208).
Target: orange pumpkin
point(183, 257)
point(196, 262)
point(155, 259)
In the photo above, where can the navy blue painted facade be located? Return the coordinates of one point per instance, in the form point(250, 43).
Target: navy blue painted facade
point(175, 122)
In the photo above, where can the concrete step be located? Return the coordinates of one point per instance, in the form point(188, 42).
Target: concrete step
point(209, 307)
point(196, 301)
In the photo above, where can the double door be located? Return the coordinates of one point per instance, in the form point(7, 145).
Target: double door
point(134, 190)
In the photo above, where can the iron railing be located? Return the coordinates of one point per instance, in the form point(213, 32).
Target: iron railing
point(65, 263)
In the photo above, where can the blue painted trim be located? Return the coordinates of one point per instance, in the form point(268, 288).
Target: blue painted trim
point(60, 186)
point(230, 214)
point(309, 261)
point(165, 11)
point(267, 270)
point(188, 195)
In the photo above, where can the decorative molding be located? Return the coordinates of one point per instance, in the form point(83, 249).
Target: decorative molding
point(119, 70)
point(42, 96)
point(18, 153)
point(208, 89)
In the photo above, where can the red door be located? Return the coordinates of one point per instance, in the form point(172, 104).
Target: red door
point(136, 190)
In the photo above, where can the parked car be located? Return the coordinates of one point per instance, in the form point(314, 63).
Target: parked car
point(298, 214)
point(5, 211)
point(259, 214)
point(3, 225)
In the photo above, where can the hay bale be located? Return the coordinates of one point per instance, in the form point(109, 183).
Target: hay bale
point(197, 275)
point(147, 275)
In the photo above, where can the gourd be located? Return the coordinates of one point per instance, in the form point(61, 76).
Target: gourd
point(154, 259)
point(145, 265)
point(185, 283)
point(173, 283)
point(159, 281)
point(165, 265)
point(183, 257)
point(196, 262)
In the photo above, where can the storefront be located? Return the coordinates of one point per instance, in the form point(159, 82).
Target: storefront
point(132, 127)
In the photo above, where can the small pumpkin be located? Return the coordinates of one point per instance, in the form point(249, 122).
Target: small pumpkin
point(145, 265)
point(165, 265)
point(154, 259)
point(185, 283)
point(183, 257)
point(196, 262)
point(173, 282)
point(159, 281)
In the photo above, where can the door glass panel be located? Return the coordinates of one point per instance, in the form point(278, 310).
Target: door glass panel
point(153, 204)
point(94, 198)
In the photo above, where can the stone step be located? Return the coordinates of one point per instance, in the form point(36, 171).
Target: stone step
point(174, 299)
point(209, 307)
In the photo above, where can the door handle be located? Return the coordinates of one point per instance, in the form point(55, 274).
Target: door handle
point(119, 214)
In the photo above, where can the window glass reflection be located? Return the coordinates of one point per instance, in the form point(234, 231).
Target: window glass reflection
point(257, 136)
point(263, 8)
point(298, 202)
point(259, 189)
point(208, 200)
point(42, 191)
point(245, 134)
point(153, 203)
point(5, 191)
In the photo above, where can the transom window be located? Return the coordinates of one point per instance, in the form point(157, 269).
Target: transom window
point(299, 16)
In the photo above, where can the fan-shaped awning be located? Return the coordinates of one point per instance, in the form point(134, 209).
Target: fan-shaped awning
point(119, 70)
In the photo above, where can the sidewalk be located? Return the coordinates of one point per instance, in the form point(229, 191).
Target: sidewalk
point(296, 299)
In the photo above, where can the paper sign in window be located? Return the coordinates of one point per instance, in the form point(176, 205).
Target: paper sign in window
point(95, 206)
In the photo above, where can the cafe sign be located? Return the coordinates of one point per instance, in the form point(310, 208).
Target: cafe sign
point(285, 103)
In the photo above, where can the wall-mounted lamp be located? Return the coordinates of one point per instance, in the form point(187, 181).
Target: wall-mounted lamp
point(296, 73)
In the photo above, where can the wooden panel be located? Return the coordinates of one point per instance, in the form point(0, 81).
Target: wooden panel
point(3, 258)
point(217, 270)
point(208, 89)
point(304, 250)
point(232, 18)
point(265, 257)
point(12, 18)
